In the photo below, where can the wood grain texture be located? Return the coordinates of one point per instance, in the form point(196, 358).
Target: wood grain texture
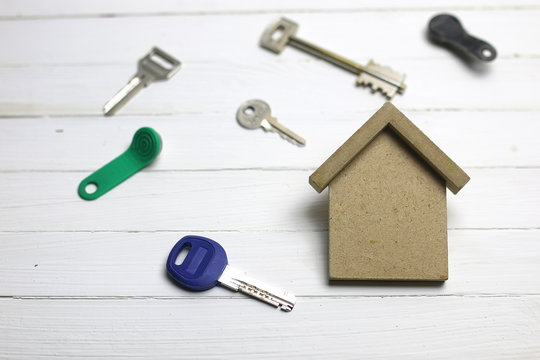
point(83, 280)
point(220, 87)
point(236, 201)
point(21, 9)
point(132, 264)
point(469, 327)
point(190, 141)
point(222, 38)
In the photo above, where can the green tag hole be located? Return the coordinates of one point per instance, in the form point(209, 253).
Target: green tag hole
point(91, 188)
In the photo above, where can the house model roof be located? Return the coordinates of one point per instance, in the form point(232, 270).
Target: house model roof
point(389, 116)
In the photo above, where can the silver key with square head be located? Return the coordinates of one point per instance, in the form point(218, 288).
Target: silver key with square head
point(283, 32)
point(255, 113)
point(157, 65)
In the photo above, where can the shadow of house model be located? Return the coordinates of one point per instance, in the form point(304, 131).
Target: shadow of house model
point(387, 197)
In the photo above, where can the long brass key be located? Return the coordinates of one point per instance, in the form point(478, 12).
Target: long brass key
point(283, 32)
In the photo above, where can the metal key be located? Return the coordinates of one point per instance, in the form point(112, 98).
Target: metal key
point(206, 265)
point(157, 65)
point(255, 113)
point(376, 76)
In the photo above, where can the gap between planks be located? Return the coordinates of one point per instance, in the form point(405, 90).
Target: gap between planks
point(166, 114)
point(276, 11)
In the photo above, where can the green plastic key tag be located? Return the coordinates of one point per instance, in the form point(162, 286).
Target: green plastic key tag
point(144, 148)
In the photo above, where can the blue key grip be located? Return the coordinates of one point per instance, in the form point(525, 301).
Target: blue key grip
point(202, 266)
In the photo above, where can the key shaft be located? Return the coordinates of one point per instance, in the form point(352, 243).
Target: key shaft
point(338, 60)
point(237, 280)
point(270, 123)
point(325, 55)
point(123, 96)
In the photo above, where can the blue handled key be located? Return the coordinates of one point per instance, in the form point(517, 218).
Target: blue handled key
point(206, 265)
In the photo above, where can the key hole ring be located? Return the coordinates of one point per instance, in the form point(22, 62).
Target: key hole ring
point(91, 188)
point(249, 110)
point(182, 254)
point(278, 33)
point(487, 53)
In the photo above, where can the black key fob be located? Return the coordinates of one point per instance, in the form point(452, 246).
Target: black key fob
point(446, 30)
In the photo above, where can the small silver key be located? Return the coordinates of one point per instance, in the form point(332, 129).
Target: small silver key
point(255, 113)
point(237, 280)
point(283, 32)
point(157, 65)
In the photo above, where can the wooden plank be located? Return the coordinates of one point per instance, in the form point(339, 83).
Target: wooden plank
point(236, 200)
point(92, 264)
point(192, 140)
point(64, 8)
point(319, 328)
point(219, 88)
point(64, 60)
point(229, 38)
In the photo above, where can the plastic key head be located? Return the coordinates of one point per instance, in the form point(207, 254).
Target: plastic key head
point(202, 266)
point(446, 30)
point(144, 148)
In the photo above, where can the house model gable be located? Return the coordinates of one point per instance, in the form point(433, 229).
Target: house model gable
point(387, 200)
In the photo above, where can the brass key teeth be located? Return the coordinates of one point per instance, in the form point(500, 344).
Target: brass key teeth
point(375, 84)
point(381, 78)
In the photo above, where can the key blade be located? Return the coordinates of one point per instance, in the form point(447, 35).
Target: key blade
point(297, 140)
point(381, 78)
point(123, 96)
point(237, 280)
point(270, 123)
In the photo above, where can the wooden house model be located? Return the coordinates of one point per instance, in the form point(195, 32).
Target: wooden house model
point(387, 198)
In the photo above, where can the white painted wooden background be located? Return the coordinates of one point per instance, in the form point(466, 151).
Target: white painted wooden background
point(85, 279)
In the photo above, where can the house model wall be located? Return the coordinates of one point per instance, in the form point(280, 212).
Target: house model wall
point(387, 199)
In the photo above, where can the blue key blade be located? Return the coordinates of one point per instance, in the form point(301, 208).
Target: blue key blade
point(202, 266)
